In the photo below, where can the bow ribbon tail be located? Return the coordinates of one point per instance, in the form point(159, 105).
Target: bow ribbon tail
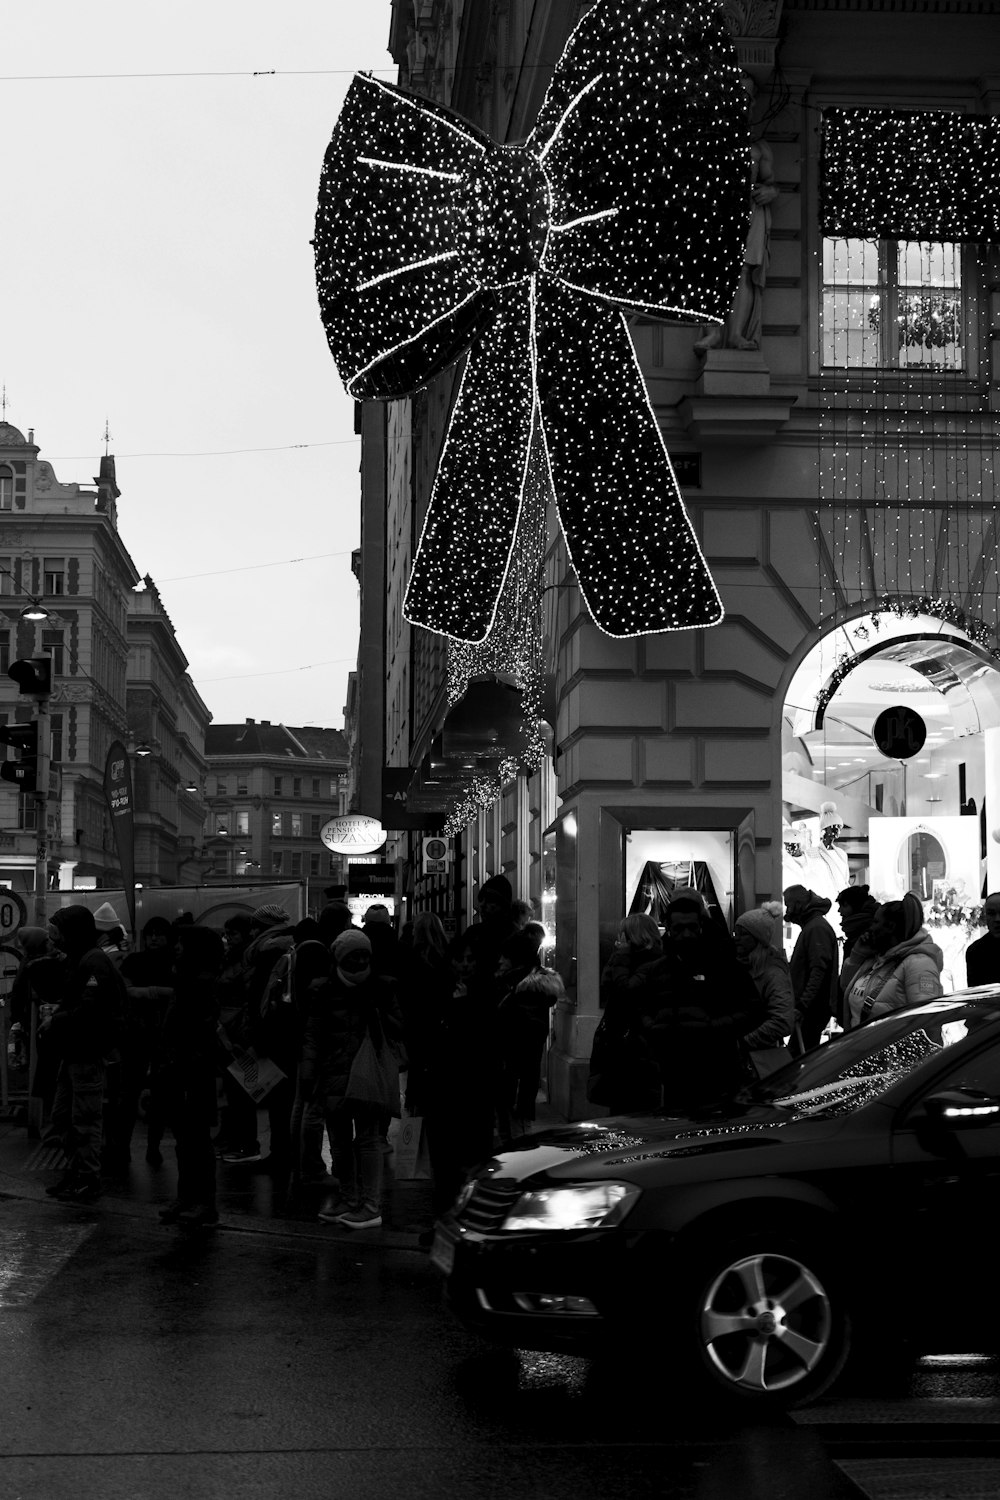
point(635, 553)
point(471, 520)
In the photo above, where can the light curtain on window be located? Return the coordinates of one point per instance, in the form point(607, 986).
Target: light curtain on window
point(910, 175)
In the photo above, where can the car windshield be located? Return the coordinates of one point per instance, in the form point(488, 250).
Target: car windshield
point(862, 1065)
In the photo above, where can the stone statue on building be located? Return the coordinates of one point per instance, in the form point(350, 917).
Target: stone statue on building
point(743, 327)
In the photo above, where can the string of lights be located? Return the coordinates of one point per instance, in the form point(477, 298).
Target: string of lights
point(431, 240)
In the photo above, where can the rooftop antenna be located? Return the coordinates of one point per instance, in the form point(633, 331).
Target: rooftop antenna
point(3, 404)
point(107, 436)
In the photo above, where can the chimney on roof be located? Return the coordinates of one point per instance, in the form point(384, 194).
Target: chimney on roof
point(250, 721)
point(265, 723)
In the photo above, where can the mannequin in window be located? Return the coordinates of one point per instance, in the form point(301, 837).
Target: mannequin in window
point(829, 868)
point(743, 328)
point(795, 857)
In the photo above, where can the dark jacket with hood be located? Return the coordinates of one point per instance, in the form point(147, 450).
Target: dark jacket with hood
point(339, 1016)
point(815, 965)
point(186, 1055)
point(88, 1025)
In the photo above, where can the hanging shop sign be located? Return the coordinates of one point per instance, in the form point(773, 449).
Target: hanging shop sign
point(355, 833)
point(899, 732)
point(435, 856)
point(371, 880)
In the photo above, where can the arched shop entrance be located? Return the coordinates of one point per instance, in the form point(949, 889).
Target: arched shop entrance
point(891, 771)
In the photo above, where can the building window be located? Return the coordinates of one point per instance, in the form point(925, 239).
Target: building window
point(55, 738)
point(4, 652)
point(892, 304)
point(53, 575)
point(314, 825)
point(222, 824)
point(6, 575)
point(27, 810)
point(296, 864)
point(221, 788)
point(6, 488)
point(296, 786)
point(316, 786)
point(296, 825)
point(314, 864)
point(276, 824)
point(52, 642)
point(243, 823)
point(276, 862)
point(242, 790)
point(277, 786)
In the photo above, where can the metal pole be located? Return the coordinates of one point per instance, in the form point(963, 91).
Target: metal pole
point(36, 1105)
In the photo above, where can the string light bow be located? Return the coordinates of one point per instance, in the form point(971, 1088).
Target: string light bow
point(631, 192)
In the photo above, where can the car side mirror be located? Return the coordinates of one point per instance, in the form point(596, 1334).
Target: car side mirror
point(961, 1109)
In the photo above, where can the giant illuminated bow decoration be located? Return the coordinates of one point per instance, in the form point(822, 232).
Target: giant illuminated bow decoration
point(632, 191)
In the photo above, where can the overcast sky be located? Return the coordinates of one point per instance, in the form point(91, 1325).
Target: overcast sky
point(156, 273)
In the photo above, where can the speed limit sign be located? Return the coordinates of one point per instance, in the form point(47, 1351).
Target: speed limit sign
point(13, 913)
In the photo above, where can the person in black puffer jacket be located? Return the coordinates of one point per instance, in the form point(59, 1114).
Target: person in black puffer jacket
point(351, 1003)
point(183, 1072)
point(623, 1073)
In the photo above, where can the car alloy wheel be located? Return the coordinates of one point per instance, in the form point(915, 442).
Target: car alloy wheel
point(769, 1328)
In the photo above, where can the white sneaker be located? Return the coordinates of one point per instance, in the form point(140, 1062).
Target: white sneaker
point(360, 1218)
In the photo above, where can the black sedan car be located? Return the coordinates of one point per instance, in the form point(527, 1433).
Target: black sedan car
point(850, 1198)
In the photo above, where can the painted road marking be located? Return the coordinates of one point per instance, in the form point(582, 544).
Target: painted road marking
point(30, 1257)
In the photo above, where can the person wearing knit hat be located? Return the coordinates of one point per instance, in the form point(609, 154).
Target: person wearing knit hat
point(755, 947)
point(904, 969)
point(106, 918)
point(268, 915)
point(857, 908)
point(815, 965)
point(352, 1005)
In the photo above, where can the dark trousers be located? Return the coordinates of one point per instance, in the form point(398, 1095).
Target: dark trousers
point(459, 1138)
point(192, 1133)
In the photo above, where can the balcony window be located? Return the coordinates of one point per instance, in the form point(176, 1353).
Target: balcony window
point(892, 304)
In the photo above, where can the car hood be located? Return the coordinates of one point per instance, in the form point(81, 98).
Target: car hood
point(619, 1141)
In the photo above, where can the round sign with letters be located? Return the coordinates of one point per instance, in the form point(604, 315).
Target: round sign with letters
point(435, 848)
point(13, 913)
point(899, 732)
point(353, 834)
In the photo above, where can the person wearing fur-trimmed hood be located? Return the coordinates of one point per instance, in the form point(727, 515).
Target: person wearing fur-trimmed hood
point(904, 969)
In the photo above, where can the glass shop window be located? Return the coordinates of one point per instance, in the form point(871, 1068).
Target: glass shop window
point(893, 304)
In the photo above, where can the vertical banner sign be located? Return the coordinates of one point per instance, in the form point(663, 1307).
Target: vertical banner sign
point(118, 791)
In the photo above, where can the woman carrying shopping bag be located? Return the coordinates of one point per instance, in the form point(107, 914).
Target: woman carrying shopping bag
point(354, 1012)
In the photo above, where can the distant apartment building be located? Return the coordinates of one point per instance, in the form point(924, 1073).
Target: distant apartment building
point(270, 791)
point(118, 673)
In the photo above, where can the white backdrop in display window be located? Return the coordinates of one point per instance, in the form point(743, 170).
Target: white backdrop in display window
point(950, 879)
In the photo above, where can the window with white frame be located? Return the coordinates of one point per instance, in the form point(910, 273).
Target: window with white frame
point(52, 643)
point(296, 825)
point(6, 487)
point(243, 822)
point(53, 575)
point(893, 304)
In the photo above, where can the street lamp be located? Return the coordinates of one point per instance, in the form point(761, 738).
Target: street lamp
point(34, 609)
point(143, 749)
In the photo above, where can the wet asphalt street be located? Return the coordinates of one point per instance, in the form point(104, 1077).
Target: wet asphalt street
point(277, 1357)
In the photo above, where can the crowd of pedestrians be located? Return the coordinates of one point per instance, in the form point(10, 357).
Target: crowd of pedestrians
point(184, 1031)
point(691, 1014)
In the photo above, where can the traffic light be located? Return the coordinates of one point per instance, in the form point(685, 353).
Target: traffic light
point(33, 675)
point(23, 771)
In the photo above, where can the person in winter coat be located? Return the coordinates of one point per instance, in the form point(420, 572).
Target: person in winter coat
point(905, 967)
point(31, 943)
point(528, 992)
point(426, 987)
point(149, 979)
point(815, 965)
point(857, 908)
point(352, 1003)
point(84, 1033)
point(271, 1032)
point(758, 946)
point(183, 1073)
point(697, 1004)
point(623, 1074)
point(982, 958)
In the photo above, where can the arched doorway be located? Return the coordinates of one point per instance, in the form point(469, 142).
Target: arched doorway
point(891, 771)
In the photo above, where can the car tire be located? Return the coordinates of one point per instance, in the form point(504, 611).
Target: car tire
point(768, 1321)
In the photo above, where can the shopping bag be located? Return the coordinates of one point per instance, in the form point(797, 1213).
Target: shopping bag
point(409, 1143)
point(257, 1075)
point(374, 1076)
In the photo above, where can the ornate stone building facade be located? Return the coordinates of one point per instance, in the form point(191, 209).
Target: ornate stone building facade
point(836, 452)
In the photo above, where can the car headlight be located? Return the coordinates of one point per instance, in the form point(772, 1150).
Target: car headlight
point(589, 1206)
